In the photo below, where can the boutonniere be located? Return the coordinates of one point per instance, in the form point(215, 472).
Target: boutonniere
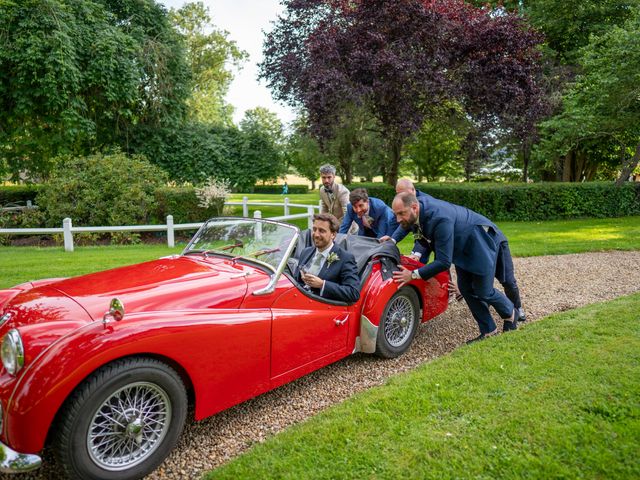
point(417, 234)
point(332, 257)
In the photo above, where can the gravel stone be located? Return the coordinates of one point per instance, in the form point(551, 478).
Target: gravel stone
point(547, 284)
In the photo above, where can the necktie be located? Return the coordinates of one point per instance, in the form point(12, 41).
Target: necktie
point(314, 269)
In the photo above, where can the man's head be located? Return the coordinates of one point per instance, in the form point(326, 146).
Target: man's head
point(325, 227)
point(406, 209)
point(359, 200)
point(405, 185)
point(328, 176)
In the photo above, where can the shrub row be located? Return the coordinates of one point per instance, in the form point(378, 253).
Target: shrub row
point(18, 194)
point(530, 202)
point(277, 189)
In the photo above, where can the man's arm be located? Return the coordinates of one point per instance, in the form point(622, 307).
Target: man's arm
point(346, 221)
point(324, 206)
point(343, 198)
point(347, 289)
point(443, 239)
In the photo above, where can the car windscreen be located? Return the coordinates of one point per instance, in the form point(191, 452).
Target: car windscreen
point(255, 240)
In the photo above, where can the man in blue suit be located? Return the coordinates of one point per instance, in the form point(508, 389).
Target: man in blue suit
point(461, 237)
point(504, 264)
point(373, 217)
point(326, 269)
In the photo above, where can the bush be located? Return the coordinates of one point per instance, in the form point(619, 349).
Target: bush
point(276, 189)
point(530, 202)
point(213, 195)
point(19, 194)
point(101, 190)
point(183, 204)
point(28, 218)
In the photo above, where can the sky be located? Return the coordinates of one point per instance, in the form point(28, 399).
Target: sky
point(245, 21)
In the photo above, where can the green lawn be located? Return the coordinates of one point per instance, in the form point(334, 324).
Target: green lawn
point(19, 264)
point(557, 399)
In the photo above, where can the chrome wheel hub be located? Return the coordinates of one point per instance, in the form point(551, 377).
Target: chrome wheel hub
point(129, 426)
point(399, 323)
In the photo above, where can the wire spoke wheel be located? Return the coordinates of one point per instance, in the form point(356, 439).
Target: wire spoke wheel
point(398, 323)
point(400, 319)
point(129, 426)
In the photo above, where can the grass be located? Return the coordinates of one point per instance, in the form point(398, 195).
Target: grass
point(21, 264)
point(301, 198)
point(557, 399)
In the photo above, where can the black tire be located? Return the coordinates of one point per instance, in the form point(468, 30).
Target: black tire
point(398, 324)
point(136, 404)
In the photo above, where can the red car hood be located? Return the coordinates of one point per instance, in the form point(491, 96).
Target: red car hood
point(175, 283)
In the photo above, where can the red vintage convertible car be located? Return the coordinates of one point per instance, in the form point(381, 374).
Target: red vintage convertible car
point(102, 366)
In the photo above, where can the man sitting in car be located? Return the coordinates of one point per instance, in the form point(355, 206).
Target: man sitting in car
point(326, 269)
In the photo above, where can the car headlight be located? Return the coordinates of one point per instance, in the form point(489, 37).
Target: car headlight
point(12, 352)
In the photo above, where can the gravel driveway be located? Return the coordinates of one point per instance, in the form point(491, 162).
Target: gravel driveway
point(547, 284)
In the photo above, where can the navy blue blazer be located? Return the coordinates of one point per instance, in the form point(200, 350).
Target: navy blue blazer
point(422, 250)
point(384, 221)
point(341, 281)
point(457, 235)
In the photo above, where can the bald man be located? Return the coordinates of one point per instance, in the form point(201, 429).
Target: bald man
point(505, 273)
point(464, 238)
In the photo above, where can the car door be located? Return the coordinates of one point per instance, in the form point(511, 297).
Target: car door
point(306, 334)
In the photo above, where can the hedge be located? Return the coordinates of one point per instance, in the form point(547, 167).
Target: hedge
point(18, 193)
point(276, 189)
point(530, 202)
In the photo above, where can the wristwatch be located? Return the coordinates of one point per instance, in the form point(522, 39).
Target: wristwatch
point(415, 275)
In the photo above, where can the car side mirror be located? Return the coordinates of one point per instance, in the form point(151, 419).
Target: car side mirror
point(116, 311)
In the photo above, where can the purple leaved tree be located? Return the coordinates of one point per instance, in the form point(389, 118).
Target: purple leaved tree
point(398, 59)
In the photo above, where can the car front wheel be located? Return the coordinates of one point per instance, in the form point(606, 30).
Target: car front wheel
point(122, 421)
point(398, 324)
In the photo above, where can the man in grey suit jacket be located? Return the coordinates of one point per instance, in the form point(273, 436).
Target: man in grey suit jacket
point(461, 237)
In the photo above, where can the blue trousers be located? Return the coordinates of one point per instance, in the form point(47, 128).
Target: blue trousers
point(506, 275)
point(479, 293)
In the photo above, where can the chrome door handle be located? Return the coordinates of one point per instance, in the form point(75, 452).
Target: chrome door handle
point(341, 322)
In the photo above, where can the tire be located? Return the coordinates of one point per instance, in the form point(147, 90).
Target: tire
point(398, 324)
point(106, 413)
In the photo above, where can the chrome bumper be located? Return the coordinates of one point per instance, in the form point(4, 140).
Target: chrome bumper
point(14, 462)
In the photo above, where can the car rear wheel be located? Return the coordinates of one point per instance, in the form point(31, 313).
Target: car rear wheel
point(122, 421)
point(398, 324)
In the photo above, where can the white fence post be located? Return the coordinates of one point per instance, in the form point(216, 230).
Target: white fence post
point(245, 207)
point(310, 212)
point(286, 206)
point(258, 214)
point(171, 239)
point(67, 235)
point(320, 207)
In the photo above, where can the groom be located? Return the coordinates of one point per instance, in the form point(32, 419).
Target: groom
point(328, 270)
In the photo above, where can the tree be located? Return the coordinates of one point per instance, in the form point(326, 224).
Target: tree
point(303, 152)
point(209, 53)
point(568, 27)
point(602, 107)
point(436, 149)
point(263, 144)
point(398, 59)
point(78, 75)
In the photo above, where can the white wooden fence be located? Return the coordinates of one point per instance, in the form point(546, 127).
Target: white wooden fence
point(68, 229)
